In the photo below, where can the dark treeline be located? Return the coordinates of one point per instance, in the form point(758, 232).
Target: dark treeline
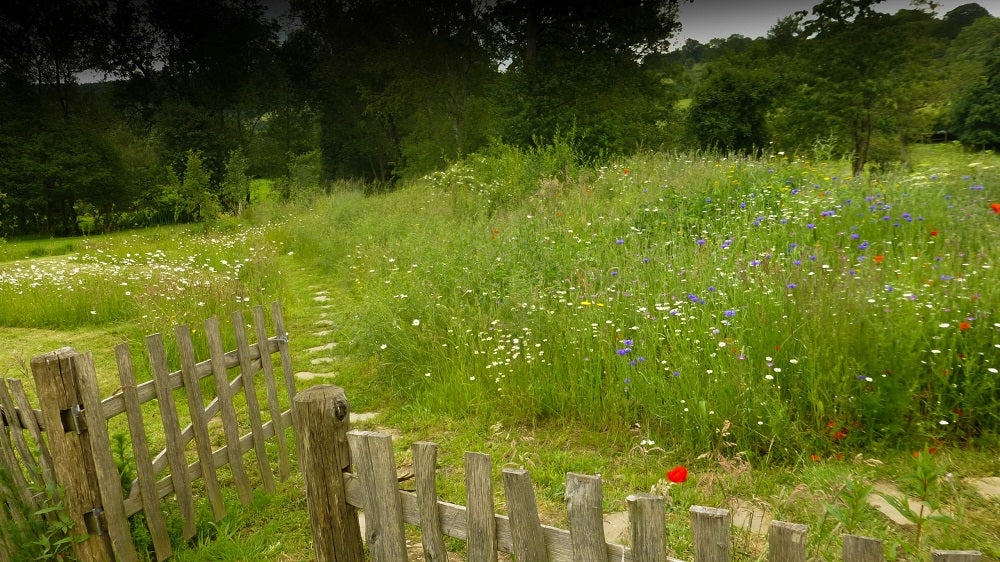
point(198, 97)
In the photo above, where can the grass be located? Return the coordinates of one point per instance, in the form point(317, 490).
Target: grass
point(774, 325)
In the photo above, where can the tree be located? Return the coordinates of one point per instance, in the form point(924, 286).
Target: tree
point(730, 107)
point(976, 113)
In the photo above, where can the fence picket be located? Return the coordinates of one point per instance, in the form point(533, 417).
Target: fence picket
point(584, 508)
point(376, 466)
point(863, 549)
point(29, 422)
point(146, 480)
point(646, 516)
point(710, 533)
point(253, 404)
point(9, 459)
point(224, 395)
point(172, 432)
point(525, 527)
point(109, 480)
point(17, 434)
point(787, 542)
point(481, 525)
point(424, 471)
point(199, 423)
point(281, 342)
point(274, 406)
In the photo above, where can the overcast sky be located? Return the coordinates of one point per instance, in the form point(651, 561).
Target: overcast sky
point(707, 19)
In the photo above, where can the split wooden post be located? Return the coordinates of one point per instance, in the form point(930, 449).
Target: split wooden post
point(863, 549)
point(525, 526)
point(584, 507)
point(710, 531)
point(322, 419)
point(955, 555)
point(649, 534)
point(787, 542)
point(424, 467)
point(62, 410)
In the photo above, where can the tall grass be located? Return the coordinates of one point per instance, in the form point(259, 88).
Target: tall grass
point(805, 311)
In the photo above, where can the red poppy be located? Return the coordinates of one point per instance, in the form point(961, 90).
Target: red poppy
point(839, 435)
point(933, 233)
point(995, 207)
point(625, 171)
point(964, 326)
point(678, 474)
point(879, 258)
point(814, 457)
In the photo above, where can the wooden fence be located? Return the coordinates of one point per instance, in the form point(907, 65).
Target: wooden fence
point(78, 456)
point(334, 494)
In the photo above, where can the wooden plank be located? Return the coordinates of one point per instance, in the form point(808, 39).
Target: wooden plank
point(30, 422)
point(787, 542)
point(104, 463)
point(224, 402)
point(9, 459)
point(146, 481)
point(253, 405)
point(17, 435)
point(955, 555)
point(649, 531)
point(199, 423)
point(454, 519)
point(424, 471)
point(322, 418)
point(525, 527)
point(710, 534)
point(376, 470)
point(273, 404)
point(481, 526)
point(863, 549)
point(114, 405)
point(56, 383)
point(281, 340)
point(172, 432)
point(585, 510)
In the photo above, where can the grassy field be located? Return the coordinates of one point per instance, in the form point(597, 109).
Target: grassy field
point(773, 324)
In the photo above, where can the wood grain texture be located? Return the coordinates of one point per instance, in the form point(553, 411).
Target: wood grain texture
point(481, 525)
point(584, 508)
point(199, 422)
point(273, 403)
point(787, 542)
point(253, 405)
point(280, 339)
point(649, 533)
point(224, 399)
point(322, 417)
point(425, 474)
point(56, 384)
point(17, 435)
point(109, 481)
point(863, 549)
point(710, 534)
point(525, 527)
point(146, 478)
point(172, 432)
point(30, 422)
point(376, 469)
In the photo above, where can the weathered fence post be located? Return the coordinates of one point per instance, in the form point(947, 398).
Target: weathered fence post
point(322, 418)
point(710, 532)
point(73, 459)
point(787, 542)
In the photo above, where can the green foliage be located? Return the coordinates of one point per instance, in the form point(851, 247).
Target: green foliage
point(42, 533)
point(196, 201)
point(729, 111)
point(235, 186)
point(851, 502)
point(923, 485)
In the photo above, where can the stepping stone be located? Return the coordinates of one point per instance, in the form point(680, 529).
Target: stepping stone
point(321, 298)
point(362, 416)
point(307, 376)
point(988, 487)
point(886, 509)
point(321, 360)
point(616, 527)
point(327, 306)
point(324, 322)
point(322, 333)
point(752, 519)
point(324, 347)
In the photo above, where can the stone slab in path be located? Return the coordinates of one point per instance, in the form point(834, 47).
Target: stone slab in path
point(322, 333)
point(362, 416)
point(307, 376)
point(320, 360)
point(988, 487)
point(324, 347)
point(886, 509)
